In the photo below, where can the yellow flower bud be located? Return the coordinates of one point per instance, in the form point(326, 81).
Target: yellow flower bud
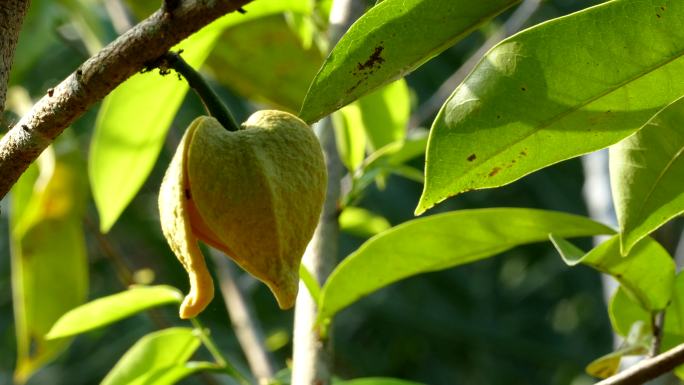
point(255, 194)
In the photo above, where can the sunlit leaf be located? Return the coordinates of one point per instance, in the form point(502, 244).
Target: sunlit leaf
point(389, 41)
point(157, 358)
point(48, 252)
point(379, 118)
point(106, 310)
point(647, 273)
point(439, 242)
point(361, 222)
point(264, 60)
point(385, 114)
point(609, 364)
point(646, 172)
point(555, 91)
point(350, 136)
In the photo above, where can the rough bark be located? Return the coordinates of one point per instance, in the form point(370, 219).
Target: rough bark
point(12, 14)
point(98, 76)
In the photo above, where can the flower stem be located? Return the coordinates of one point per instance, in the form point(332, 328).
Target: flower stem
point(216, 353)
point(212, 103)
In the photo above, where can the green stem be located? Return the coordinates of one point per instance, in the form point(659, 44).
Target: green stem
point(212, 102)
point(216, 353)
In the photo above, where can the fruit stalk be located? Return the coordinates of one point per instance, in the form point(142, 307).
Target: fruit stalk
point(212, 103)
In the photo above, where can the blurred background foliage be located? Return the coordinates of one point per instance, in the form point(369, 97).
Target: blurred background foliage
point(523, 317)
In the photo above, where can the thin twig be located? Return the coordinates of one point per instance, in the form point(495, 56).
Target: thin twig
point(657, 324)
point(514, 23)
point(245, 325)
point(648, 369)
point(97, 77)
point(203, 334)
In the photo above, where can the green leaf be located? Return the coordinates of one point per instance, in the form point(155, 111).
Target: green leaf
point(647, 273)
point(555, 91)
point(385, 114)
point(381, 117)
point(361, 222)
point(647, 170)
point(134, 119)
point(376, 381)
point(439, 242)
point(157, 358)
point(350, 136)
point(609, 364)
point(130, 131)
point(106, 310)
point(48, 252)
point(625, 312)
point(389, 41)
point(310, 283)
point(264, 61)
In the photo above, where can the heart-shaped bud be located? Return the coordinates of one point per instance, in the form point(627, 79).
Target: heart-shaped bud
point(255, 194)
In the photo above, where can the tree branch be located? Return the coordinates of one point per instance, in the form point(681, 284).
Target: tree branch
point(648, 369)
point(98, 76)
point(312, 354)
point(12, 14)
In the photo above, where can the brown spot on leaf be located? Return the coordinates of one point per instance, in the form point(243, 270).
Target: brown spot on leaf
point(494, 171)
point(523, 153)
point(373, 60)
point(50, 91)
point(472, 157)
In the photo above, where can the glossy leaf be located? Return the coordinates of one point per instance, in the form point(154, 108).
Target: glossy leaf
point(647, 273)
point(385, 114)
point(264, 60)
point(48, 252)
point(361, 222)
point(556, 91)
point(390, 40)
point(350, 137)
point(157, 358)
point(439, 242)
point(106, 310)
point(134, 119)
point(647, 170)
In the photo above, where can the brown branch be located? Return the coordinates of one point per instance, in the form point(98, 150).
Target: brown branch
point(648, 369)
point(12, 14)
point(98, 76)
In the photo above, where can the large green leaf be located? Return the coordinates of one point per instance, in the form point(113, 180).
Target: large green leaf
point(647, 273)
point(157, 358)
point(134, 119)
point(558, 90)
point(389, 41)
point(646, 172)
point(440, 242)
point(48, 252)
point(106, 310)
